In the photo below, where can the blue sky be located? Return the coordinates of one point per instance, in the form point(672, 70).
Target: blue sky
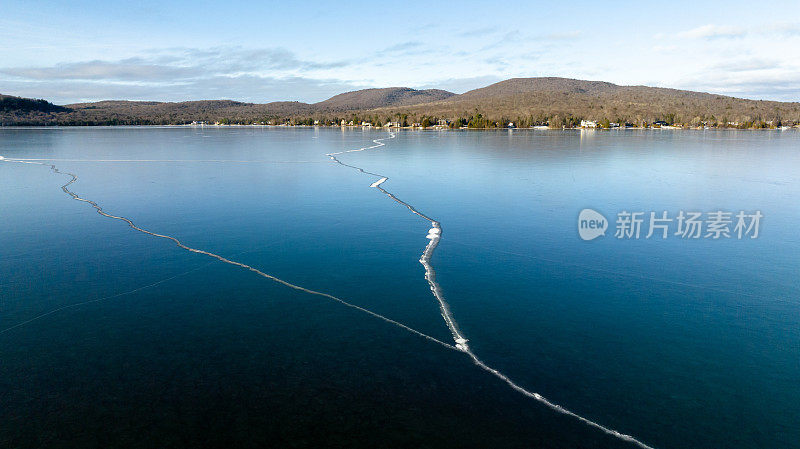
point(309, 51)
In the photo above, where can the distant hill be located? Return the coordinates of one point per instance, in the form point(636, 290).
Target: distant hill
point(376, 98)
point(524, 101)
point(154, 113)
point(521, 86)
point(166, 113)
point(563, 101)
point(14, 104)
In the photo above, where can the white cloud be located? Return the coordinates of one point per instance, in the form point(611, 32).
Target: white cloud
point(710, 31)
point(478, 32)
point(780, 86)
point(249, 88)
point(747, 65)
point(176, 64)
point(105, 70)
point(784, 29)
point(713, 32)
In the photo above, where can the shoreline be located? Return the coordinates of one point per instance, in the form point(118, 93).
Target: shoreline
point(410, 128)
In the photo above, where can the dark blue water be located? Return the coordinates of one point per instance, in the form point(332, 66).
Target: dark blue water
point(677, 343)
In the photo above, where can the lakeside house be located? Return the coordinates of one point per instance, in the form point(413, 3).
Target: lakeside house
point(441, 124)
point(392, 125)
point(588, 124)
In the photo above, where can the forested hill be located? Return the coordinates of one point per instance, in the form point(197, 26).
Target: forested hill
point(563, 101)
point(210, 111)
point(523, 101)
point(376, 98)
point(12, 104)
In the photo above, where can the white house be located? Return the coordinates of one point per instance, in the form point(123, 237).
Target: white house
point(588, 124)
